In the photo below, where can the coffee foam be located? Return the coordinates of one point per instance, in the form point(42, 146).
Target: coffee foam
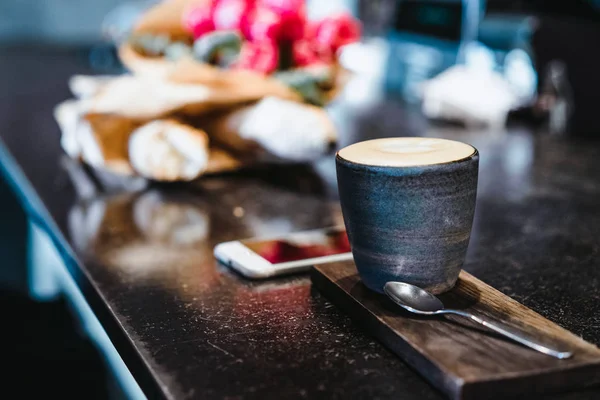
point(406, 152)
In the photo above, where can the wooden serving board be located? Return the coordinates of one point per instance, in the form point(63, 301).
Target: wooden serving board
point(461, 359)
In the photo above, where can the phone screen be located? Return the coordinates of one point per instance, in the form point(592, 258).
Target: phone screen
point(301, 246)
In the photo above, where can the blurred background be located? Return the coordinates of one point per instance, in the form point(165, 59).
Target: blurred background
point(464, 62)
point(541, 53)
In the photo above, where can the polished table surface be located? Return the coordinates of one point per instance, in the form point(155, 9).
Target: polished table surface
point(189, 328)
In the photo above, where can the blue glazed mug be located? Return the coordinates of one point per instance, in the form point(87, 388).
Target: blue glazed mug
point(408, 221)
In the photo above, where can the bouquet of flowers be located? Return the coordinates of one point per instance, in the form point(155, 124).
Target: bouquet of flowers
point(215, 85)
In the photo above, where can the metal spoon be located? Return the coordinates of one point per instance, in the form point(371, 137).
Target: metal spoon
point(419, 301)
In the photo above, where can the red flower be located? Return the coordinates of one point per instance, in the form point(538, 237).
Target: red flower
point(265, 24)
point(258, 56)
point(292, 14)
point(285, 6)
point(335, 31)
point(304, 53)
point(199, 20)
point(232, 14)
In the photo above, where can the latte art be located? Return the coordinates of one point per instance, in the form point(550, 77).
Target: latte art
point(406, 152)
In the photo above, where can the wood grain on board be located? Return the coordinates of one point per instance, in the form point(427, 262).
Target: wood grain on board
point(460, 358)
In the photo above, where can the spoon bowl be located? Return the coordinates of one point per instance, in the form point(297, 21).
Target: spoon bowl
point(413, 298)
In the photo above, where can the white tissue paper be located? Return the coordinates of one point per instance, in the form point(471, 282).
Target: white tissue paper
point(475, 93)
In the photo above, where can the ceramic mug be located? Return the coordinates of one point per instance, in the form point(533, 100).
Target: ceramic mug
point(409, 221)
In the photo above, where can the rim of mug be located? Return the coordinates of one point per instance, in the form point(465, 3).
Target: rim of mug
point(474, 154)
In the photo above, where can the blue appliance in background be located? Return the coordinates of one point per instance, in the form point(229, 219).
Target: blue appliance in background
point(427, 37)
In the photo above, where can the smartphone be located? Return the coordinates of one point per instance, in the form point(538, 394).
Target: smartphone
point(295, 252)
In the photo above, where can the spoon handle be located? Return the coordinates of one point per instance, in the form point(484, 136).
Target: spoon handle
point(513, 333)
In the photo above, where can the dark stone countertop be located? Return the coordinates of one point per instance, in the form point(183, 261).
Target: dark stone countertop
point(188, 328)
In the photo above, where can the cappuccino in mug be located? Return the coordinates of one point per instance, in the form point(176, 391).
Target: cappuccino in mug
point(405, 152)
point(408, 206)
